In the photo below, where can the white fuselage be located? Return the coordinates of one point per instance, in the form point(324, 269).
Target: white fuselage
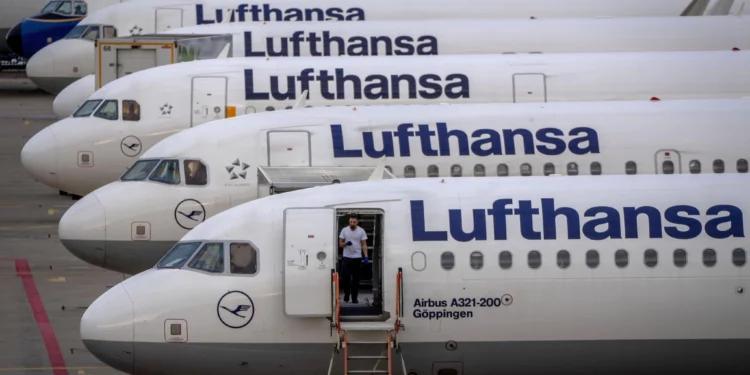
point(86, 151)
point(71, 59)
point(653, 264)
point(677, 137)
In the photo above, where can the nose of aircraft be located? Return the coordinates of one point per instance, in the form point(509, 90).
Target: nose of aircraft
point(39, 157)
point(15, 40)
point(107, 328)
point(82, 230)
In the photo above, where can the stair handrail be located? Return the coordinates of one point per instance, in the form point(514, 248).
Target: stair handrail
point(399, 298)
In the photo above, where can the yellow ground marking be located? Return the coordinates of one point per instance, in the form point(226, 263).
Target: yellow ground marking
point(60, 279)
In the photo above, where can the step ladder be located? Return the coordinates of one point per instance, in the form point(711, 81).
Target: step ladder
point(368, 347)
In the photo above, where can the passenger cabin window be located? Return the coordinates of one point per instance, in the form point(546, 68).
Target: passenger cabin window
point(479, 170)
point(549, 169)
point(592, 258)
point(476, 260)
point(505, 260)
point(563, 259)
point(718, 166)
point(739, 257)
point(742, 166)
point(456, 171)
point(108, 110)
point(168, 172)
point(572, 169)
point(131, 110)
point(140, 170)
point(179, 254)
point(630, 168)
point(667, 167)
point(210, 258)
point(709, 257)
point(269, 109)
point(695, 166)
point(243, 259)
point(447, 260)
point(195, 173)
point(596, 168)
point(680, 258)
point(87, 108)
point(525, 169)
point(433, 171)
point(650, 258)
point(409, 172)
point(621, 258)
point(535, 259)
point(502, 170)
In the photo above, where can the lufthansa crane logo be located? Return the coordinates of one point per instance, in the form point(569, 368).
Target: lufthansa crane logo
point(189, 213)
point(235, 309)
point(131, 146)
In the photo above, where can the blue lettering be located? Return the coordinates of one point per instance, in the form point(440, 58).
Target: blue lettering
point(682, 222)
point(266, 13)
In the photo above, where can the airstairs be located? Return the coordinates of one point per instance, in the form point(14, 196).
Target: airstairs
point(367, 347)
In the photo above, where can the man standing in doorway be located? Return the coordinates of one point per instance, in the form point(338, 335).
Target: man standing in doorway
point(354, 241)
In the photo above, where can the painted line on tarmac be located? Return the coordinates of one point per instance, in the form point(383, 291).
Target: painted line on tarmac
point(23, 270)
point(79, 368)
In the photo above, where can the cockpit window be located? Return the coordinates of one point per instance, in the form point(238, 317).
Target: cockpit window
point(243, 259)
point(80, 8)
point(51, 6)
point(167, 172)
point(140, 170)
point(92, 33)
point(108, 110)
point(195, 172)
point(76, 32)
point(131, 110)
point(210, 258)
point(66, 7)
point(87, 108)
point(179, 254)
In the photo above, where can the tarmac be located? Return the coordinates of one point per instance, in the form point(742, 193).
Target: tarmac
point(44, 290)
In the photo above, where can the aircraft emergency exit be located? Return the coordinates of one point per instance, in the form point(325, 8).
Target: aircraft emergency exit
point(58, 65)
point(127, 116)
point(191, 176)
point(574, 275)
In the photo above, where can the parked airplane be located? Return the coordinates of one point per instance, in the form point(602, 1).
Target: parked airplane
point(13, 12)
point(86, 151)
point(564, 275)
point(191, 176)
point(56, 20)
point(58, 65)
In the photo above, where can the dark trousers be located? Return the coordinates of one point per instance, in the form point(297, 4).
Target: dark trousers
point(350, 270)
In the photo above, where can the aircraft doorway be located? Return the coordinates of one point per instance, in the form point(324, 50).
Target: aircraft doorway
point(370, 296)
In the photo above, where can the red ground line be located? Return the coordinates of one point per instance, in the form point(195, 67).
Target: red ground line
point(23, 270)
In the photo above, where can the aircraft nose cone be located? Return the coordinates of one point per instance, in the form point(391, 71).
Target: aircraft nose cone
point(82, 230)
point(40, 69)
point(15, 39)
point(107, 328)
point(39, 157)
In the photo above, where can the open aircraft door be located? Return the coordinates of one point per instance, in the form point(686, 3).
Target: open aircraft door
point(309, 255)
point(167, 19)
point(209, 99)
point(668, 162)
point(529, 88)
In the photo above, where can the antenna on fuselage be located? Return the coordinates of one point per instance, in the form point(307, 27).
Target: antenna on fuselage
point(301, 101)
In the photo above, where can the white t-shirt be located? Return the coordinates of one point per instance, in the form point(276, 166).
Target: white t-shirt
point(355, 236)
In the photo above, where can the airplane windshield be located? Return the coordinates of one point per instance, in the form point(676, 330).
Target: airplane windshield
point(140, 170)
point(76, 32)
point(65, 7)
point(167, 172)
point(179, 254)
point(51, 6)
point(87, 108)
